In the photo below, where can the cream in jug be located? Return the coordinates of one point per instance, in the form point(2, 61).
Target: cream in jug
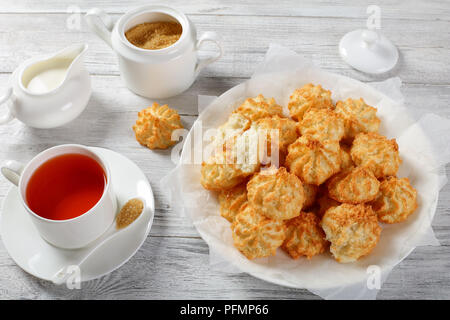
point(48, 91)
point(44, 77)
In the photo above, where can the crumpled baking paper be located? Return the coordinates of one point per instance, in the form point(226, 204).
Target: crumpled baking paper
point(424, 146)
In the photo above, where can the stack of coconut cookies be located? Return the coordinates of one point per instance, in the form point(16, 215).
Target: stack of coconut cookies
point(325, 182)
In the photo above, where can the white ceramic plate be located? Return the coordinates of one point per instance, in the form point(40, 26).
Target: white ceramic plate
point(39, 258)
point(321, 272)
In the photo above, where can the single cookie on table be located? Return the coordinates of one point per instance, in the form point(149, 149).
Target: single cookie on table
point(312, 160)
point(396, 201)
point(358, 117)
point(309, 97)
point(155, 125)
point(255, 235)
point(346, 158)
point(232, 200)
point(322, 124)
point(259, 107)
point(353, 231)
point(276, 193)
point(304, 236)
point(377, 153)
point(355, 185)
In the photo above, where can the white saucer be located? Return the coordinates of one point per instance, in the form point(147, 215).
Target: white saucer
point(39, 258)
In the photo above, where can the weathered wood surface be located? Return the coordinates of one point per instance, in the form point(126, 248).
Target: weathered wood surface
point(173, 262)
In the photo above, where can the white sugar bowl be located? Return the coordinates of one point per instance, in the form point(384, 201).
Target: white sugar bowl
point(158, 73)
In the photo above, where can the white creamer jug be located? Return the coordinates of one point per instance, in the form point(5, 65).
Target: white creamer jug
point(48, 91)
point(158, 73)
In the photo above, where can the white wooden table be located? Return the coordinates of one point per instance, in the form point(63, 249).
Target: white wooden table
point(173, 262)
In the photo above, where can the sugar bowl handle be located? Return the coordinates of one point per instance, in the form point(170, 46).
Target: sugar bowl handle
point(100, 23)
point(7, 116)
point(12, 170)
point(213, 37)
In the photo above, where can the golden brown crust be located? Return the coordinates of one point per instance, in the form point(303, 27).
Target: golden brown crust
point(308, 97)
point(358, 117)
point(353, 231)
point(231, 201)
point(155, 125)
point(356, 185)
point(259, 107)
point(304, 236)
point(322, 124)
point(377, 153)
point(235, 125)
point(396, 201)
point(226, 169)
point(255, 235)
point(276, 193)
point(282, 129)
point(312, 160)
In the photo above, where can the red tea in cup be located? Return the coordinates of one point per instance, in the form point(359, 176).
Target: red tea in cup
point(65, 187)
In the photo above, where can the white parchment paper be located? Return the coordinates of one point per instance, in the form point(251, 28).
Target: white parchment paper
point(277, 76)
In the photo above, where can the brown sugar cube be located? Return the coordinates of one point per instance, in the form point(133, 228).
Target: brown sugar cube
point(129, 212)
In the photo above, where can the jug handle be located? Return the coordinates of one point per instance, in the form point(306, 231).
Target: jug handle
point(8, 116)
point(213, 37)
point(100, 23)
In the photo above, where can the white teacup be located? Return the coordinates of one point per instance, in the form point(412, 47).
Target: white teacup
point(154, 73)
point(71, 233)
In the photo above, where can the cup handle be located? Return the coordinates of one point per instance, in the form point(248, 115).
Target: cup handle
point(8, 116)
point(208, 36)
point(100, 23)
point(12, 170)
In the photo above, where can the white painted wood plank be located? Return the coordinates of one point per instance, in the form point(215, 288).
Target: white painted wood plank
point(421, 10)
point(173, 262)
point(177, 268)
point(424, 53)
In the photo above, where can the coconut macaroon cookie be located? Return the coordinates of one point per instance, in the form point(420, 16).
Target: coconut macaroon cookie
point(353, 231)
point(231, 201)
point(276, 193)
point(322, 124)
point(304, 236)
point(356, 185)
point(396, 201)
point(358, 117)
point(235, 125)
point(230, 165)
point(377, 153)
point(307, 98)
point(313, 161)
point(155, 125)
point(259, 107)
point(255, 235)
point(282, 129)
